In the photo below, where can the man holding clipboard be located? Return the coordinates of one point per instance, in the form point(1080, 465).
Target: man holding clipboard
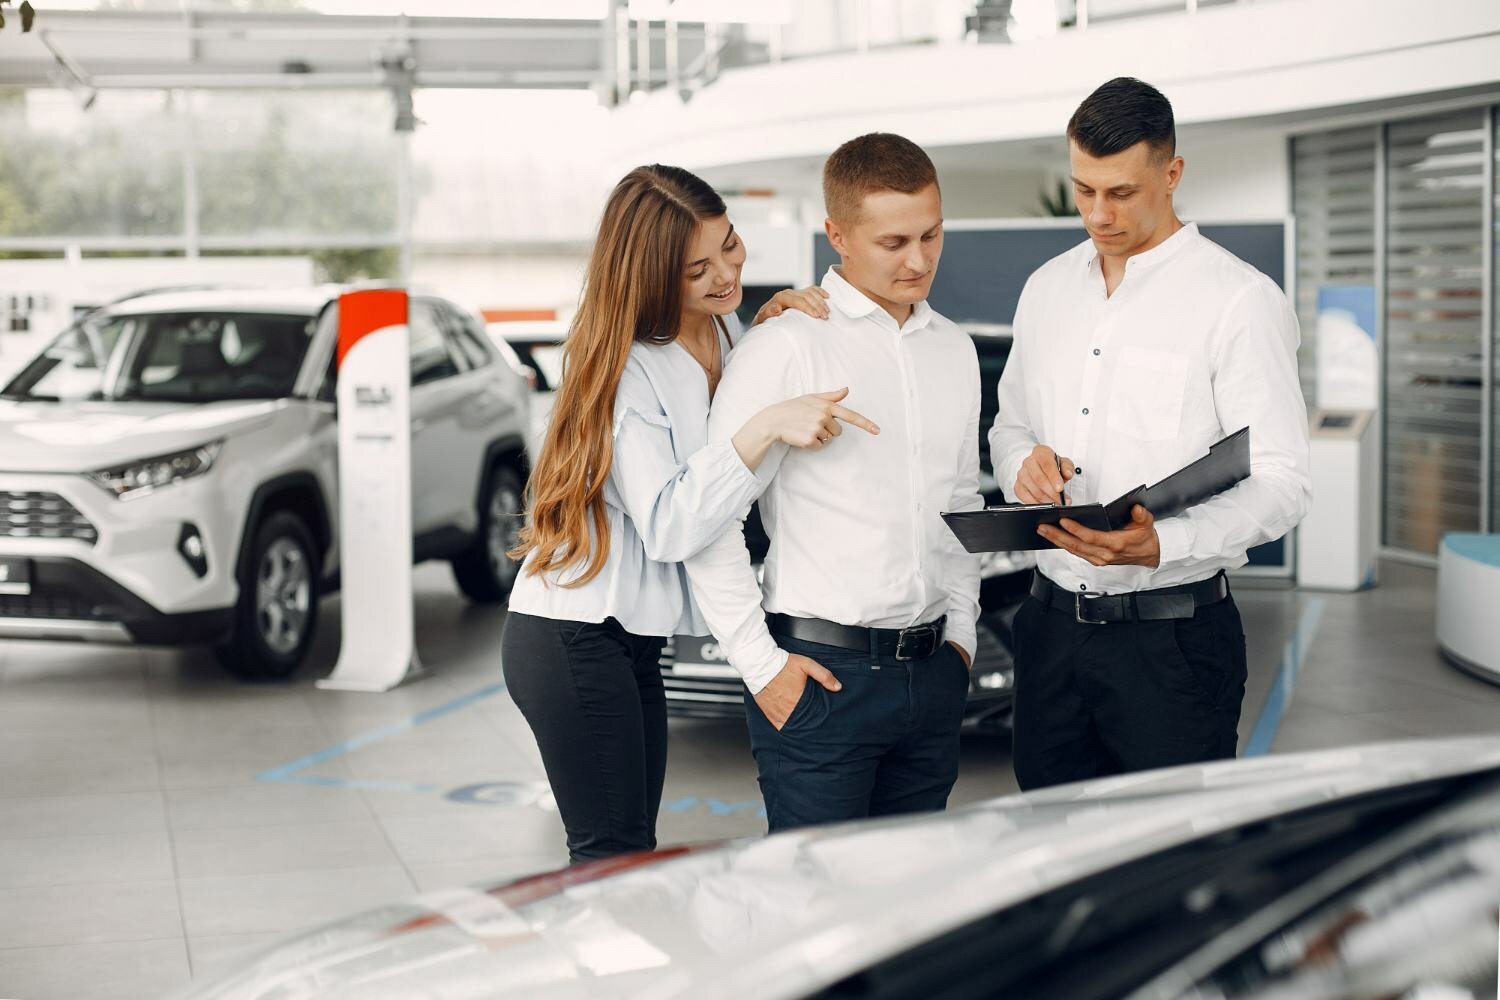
point(1135, 353)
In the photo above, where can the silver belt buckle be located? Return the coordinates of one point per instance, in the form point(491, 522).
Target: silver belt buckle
point(927, 631)
point(1078, 608)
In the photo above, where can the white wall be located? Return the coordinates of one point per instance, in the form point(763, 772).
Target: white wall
point(1234, 175)
point(1000, 193)
point(521, 279)
point(1225, 63)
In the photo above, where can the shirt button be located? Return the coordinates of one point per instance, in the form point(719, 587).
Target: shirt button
point(1083, 586)
point(1085, 411)
point(1096, 352)
point(1077, 470)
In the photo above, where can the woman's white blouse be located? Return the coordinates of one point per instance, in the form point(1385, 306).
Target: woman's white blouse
point(669, 493)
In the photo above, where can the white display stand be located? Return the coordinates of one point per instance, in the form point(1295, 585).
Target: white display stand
point(1337, 541)
point(378, 650)
point(1468, 625)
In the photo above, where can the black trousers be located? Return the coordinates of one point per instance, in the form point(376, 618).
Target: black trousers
point(1096, 700)
point(594, 699)
point(886, 744)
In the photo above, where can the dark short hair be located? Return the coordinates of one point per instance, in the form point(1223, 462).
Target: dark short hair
point(1120, 114)
point(879, 161)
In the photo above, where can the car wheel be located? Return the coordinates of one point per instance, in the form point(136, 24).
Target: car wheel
point(485, 573)
point(277, 611)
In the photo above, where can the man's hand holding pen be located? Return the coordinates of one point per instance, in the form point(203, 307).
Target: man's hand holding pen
point(1043, 478)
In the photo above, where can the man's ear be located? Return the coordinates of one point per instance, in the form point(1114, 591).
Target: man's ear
point(835, 236)
point(1174, 173)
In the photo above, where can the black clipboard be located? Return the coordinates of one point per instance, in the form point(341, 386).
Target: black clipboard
point(1012, 527)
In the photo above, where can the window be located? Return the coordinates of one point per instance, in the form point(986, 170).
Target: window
point(1434, 340)
point(1395, 216)
point(431, 359)
point(200, 357)
point(461, 339)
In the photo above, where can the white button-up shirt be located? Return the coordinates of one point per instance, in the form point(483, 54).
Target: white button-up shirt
point(1193, 345)
point(668, 494)
point(855, 526)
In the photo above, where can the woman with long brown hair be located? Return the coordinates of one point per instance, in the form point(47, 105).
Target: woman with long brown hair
point(625, 488)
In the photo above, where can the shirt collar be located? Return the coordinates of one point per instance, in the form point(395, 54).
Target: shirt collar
point(1162, 251)
point(857, 305)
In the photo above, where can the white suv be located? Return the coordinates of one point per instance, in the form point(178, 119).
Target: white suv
point(168, 471)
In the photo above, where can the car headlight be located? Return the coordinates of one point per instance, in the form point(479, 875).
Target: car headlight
point(993, 564)
point(994, 680)
point(140, 478)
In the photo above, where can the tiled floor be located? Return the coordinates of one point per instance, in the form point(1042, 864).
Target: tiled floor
point(140, 846)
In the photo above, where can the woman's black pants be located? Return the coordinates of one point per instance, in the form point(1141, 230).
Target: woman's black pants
point(593, 696)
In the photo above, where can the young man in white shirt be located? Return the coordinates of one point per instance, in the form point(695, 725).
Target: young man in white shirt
point(1134, 353)
point(856, 663)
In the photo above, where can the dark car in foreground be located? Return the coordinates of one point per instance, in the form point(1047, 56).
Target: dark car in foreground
point(1365, 872)
point(700, 682)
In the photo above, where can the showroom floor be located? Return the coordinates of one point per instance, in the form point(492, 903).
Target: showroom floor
point(158, 820)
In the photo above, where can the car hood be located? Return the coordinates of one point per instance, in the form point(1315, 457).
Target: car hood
point(781, 915)
point(82, 437)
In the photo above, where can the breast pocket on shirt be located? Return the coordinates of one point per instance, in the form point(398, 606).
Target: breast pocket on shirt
point(1149, 388)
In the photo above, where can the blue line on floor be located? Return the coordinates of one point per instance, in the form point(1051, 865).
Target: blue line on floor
point(288, 772)
point(1280, 698)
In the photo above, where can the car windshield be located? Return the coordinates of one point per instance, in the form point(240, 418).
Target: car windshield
point(191, 357)
point(1373, 896)
point(1424, 922)
point(544, 357)
point(72, 367)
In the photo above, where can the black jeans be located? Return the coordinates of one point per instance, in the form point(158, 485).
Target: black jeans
point(885, 744)
point(593, 697)
point(1095, 700)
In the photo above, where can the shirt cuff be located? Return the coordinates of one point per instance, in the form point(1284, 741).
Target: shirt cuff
point(1175, 536)
point(763, 670)
point(965, 636)
point(735, 467)
point(1010, 468)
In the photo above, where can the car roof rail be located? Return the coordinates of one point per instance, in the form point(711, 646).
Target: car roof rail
point(140, 293)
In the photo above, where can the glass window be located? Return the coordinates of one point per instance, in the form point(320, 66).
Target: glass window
point(1423, 927)
point(470, 344)
point(431, 359)
point(1333, 183)
point(115, 170)
point(72, 368)
point(1494, 332)
point(1434, 303)
point(201, 357)
point(321, 163)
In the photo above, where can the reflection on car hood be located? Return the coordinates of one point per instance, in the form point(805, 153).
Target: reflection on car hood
point(778, 916)
point(82, 437)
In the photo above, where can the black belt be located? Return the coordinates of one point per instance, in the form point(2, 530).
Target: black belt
point(915, 643)
point(1163, 604)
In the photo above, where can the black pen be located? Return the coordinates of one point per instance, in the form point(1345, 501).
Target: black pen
point(1062, 501)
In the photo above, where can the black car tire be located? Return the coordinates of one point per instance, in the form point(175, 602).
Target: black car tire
point(276, 614)
point(484, 572)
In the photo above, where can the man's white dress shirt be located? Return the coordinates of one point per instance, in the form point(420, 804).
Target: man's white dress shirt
point(856, 536)
point(669, 492)
point(1193, 345)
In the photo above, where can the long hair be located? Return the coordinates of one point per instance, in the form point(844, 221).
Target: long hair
point(632, 292)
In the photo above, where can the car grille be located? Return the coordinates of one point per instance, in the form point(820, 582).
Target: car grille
point(42, 515)
point(699, 695)
point(69, 607)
